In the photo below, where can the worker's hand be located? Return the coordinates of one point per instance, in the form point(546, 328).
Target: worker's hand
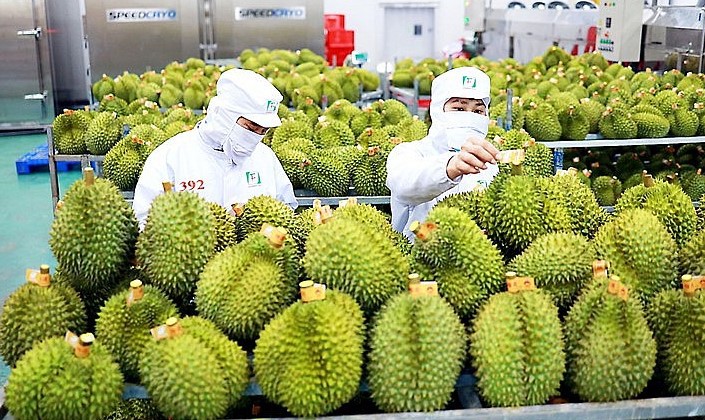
point(473, 157)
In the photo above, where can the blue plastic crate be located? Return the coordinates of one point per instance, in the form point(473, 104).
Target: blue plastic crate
point(38, 160)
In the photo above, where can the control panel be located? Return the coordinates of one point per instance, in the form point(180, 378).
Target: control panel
point(619, 29)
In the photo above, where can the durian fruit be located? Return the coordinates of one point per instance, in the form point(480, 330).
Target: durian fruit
point(330, 133)
point(560, 263)
point(309, 357)
point(675, 317)
point(666, 201)
point(640, 251)
point(367, 118)
point(692, 255)
point(365, 213)
point(68, 129)
point(103, 86)
point(245, 286)
point(593, 111)
point(326, 174)
point(170, 95)
point(136, 409)
point(627, 165)
point(124, 322)
point(651, 125)
point(260, 210)
point(112, 103)
point(542, 123)
point(177, 242)
point(393, 111)
point(370, 175)
point(517, 348)
point(103, 133)
point(38, 310)
point(571, 193)
point(356, 258)
point(417, 351)
point(191, 370)
point(57, 381)
point(574, 124)
point(451, 250)
point(683, 122)
point(516, 210)
point(610, 350)
point(94, 232)
point(225, 227)
point(616, 123)
point(607, 190)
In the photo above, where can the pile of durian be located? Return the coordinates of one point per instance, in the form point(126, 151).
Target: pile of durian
point(562, 97)
point(529, 285)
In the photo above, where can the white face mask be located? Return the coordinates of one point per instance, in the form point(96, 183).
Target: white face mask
point(240, 143)
point(459, 126)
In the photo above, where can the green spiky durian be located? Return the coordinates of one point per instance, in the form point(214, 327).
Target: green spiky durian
point(365, 213)
point(675, 317)
point(112, 103)
point(103, 132)
point(371, 274)
point(68, 131)
point(36, 312)
point(124, 322)
point(607, 190)
point(326, 173)
point(530, 365)
point(125, 86)
point(640, 250)
point(393, 111)
point(194, 96)
point(245, 286)
point(412, 129)
point(291, 129)
point(575, 125)
point(197, 373)
point(616, 123)
point(452, 250)
point(665, 99)
point(330, 133)
point(260, 210)
point(668, 202)
point(627, 165)
point(173, 258)
point(560, 263)
point(136, 409)
point(94, 232)
point(170, 95)
point(403, 374)
point(103, 86)
point(370, 175)
point(610, 350)
point(517, 209)
point(225, 227)
point(542, 123)
point(683, 122)
point(309, 358)
point(692, 255)
point(51, 382)
point(367, 118)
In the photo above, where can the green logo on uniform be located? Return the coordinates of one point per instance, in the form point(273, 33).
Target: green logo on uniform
point(469, 82)
point(272, 106)
point(252, 178)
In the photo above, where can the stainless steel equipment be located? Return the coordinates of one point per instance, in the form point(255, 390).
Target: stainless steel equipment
point(674, 35)
point(138, 35)
point(26, 91)
point(288, 24)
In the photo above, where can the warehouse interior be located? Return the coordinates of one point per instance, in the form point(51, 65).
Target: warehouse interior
point(569, 285)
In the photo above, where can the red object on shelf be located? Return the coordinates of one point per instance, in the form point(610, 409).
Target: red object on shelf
point(339, 43)
point(591, 39)
point(332, 22)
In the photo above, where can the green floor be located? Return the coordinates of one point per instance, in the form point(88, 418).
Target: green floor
point(26, 215)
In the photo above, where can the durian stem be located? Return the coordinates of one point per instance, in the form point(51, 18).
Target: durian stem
point(166, 185)
point(88, 176)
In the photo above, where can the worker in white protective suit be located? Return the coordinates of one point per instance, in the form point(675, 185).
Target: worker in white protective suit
point(222, 159)
point(453, 158)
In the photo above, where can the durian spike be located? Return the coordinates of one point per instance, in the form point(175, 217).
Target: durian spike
point(275, 235)
point(166, 185)
point(88, 176)
point(238, 208)
point(173, 327)
point(83, 347)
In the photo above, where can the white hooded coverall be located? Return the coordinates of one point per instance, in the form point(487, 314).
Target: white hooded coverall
point(195, 161)
point(416, 171)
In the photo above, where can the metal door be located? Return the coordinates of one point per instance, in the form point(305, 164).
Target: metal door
point(26, 99)
point(408, 32)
